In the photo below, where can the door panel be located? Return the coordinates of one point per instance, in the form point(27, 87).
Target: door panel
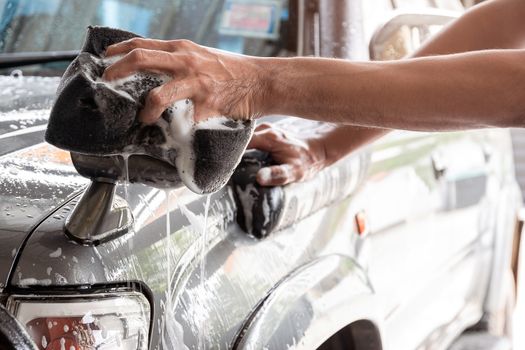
point(424, 252)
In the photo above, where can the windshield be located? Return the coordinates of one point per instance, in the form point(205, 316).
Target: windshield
point(254, 27)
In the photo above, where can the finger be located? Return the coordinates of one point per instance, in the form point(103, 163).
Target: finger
point(138, 43)
point(263, 126)
point(160, 98)
point(145, 60)
point(263, 140)
point(151, 44)
point(276, 175)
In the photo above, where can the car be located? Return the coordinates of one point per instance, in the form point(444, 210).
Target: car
point(404, 244)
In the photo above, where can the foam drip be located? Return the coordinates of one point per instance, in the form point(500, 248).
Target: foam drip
point(203, 330)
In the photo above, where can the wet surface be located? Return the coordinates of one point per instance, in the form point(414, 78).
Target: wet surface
point(164, 256)
point(231, 273)
point(32, 183)
point(519, 312)
point(26, 93)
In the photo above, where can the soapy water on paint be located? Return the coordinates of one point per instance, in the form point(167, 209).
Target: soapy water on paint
point(171, 330)
point(202, 329)
point(179, 130)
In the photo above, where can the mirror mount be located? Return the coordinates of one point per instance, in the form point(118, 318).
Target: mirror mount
point(99, 215)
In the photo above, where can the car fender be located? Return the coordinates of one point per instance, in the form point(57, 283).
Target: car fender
point(310, 305)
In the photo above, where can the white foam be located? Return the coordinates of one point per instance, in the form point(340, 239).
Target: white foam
point(88, 318)
point(265, 174)
point(34, 281)
point(57, 253)
point(180, 132)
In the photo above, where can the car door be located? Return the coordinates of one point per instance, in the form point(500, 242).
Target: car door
point(424, 250)
point(427, 200)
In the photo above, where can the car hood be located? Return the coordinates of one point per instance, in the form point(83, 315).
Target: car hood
point(35, 177)
point(27, 92)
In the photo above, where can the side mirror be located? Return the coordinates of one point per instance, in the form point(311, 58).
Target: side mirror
point(404, 32)
point(139, 168)
point(100, 214)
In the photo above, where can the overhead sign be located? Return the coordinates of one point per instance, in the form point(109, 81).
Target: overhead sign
point(257, 18)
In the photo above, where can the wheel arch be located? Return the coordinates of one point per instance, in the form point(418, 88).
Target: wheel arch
point(314, 303)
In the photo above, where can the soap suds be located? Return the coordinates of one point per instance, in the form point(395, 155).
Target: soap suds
point(177, 123)
point(56, 254)
point(265, 174)
point(33, 281)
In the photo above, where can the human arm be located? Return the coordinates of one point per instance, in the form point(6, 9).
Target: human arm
point(495, 24)
point(452, 92)
point(473, 31)
point(492, 25)
point(245, 87)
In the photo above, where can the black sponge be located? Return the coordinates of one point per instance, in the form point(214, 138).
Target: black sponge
point(260, 208)
point(96, 117)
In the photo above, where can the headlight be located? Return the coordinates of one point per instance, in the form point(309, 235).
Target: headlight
point(99, 321)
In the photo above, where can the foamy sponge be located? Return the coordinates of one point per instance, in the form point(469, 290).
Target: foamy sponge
point(96, 117)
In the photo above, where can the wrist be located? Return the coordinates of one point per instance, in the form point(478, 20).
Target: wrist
point(320, 152)
point(270, 95)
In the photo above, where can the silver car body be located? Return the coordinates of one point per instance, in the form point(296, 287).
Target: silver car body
point(439, 211)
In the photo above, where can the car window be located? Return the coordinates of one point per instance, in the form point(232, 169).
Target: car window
point(251, 27)
point(254, 27)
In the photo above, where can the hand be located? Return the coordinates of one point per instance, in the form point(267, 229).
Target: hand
point(298, 158)
point(217, 82)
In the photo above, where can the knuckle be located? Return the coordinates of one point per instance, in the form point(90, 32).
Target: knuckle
point(181, 43)
point(173, 44)
point(264, 126)
point(136, 55)
point(189, 59)
point(156, 97)
point(135, 42)
point(274, 135)
point(185, 42)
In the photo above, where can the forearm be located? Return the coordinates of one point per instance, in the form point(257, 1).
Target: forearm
point(473, 31)
point(339, 141)
point(479, 89)
point(496, 24)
